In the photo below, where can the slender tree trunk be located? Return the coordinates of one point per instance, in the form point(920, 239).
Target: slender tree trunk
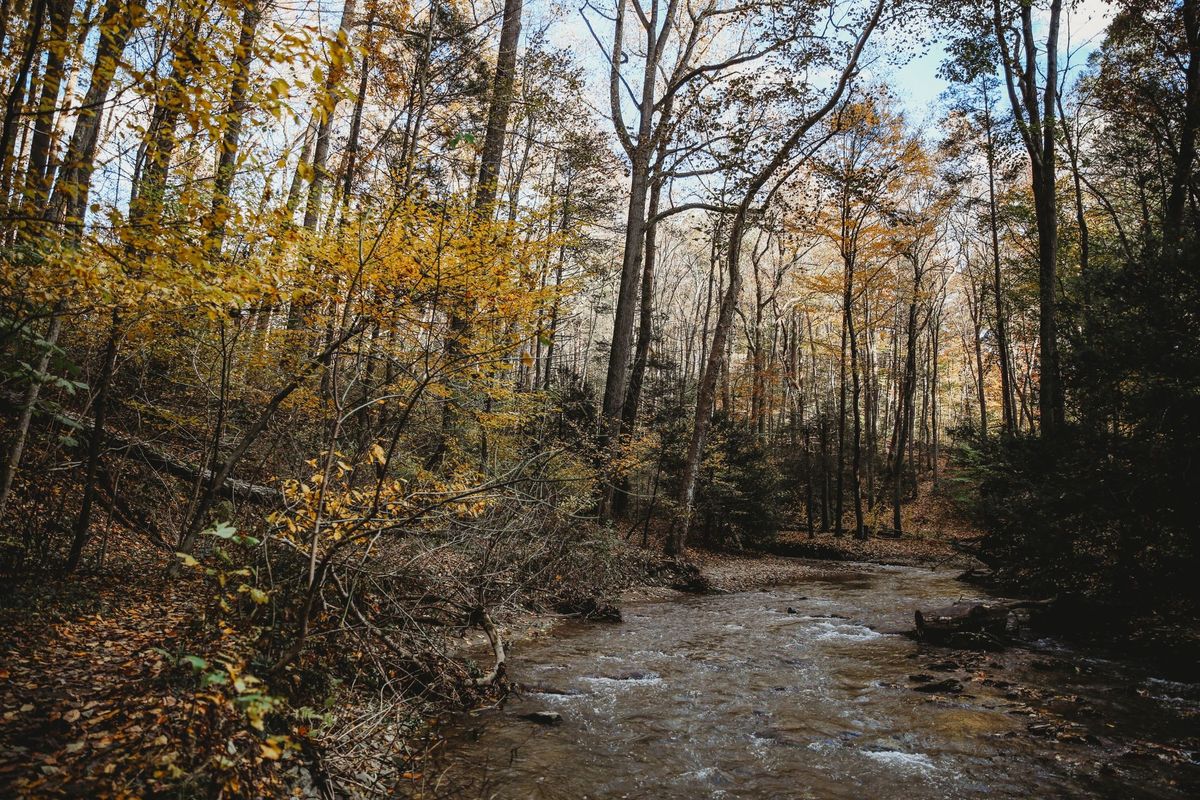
point(629, 412)
point(69, 200)
point(933, 399)
point(1036, 120)
point(16, 100)
point(325, 117)
point(150, 189)
point(646, 320)
point(498, 107)
point(904, 399)
point(1181, 179)
point(707, 390)
point(235, 111)
point(1007, 399)
point(640, 150)
point(839, 503)
point(824, 441)
point(37, 188)
point(717, 361)
point(13, 460)
point(83, 521)
point(485, 191)
point(856, 443)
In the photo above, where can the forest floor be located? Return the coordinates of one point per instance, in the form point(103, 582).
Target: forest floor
point(94, 701)
point(936, 534)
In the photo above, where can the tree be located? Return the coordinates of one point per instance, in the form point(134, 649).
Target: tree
point(1034, 112)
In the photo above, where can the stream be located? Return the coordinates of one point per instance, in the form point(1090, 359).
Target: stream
point(810, 691)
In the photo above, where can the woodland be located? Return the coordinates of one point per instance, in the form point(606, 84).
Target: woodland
point(335, 331)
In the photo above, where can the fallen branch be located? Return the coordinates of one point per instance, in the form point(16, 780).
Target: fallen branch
point(125, 446)
point(484, 620)
point(230, 488)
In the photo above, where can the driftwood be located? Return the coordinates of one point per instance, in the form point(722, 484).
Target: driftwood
point(970, 625)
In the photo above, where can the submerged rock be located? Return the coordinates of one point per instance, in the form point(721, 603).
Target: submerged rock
point(543, 717)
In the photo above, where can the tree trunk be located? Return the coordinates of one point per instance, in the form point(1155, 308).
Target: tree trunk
point(15, 101)
point(1181, 179)
point(13, 460)
point(83, 521)
point(328, 103)
point(856, 393)
point(904, 400)
point(640, 151)
point(150, 189)
point(235, 111)
point(37, 187)
point(498, 107)
point(716, 362)
point(1036, 121)
point(69, 200)
point(1007, 400)
point(646, 320)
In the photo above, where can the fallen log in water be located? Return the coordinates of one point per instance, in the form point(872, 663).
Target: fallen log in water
point(970, 625)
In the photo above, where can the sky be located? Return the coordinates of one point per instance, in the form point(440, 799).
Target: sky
point(915, 83)
point(919, 87)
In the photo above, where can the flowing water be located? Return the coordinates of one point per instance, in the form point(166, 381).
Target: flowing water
point(809, 691)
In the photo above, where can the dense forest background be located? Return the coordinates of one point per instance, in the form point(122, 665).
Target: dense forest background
point(363, 321)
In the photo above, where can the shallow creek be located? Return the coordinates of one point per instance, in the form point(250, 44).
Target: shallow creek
point(809, 691)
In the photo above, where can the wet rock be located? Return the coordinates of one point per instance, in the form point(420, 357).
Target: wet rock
point(543, 717)
point(537, 689)
point(974, 626)
point(978, 574)
point(791, 610)
point(589, 608)
point(944, 666)
point(920, 678)
point(948, 686)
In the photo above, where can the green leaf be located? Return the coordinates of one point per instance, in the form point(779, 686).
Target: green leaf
point(196, 662)
point(209, 678)
point(222, 529)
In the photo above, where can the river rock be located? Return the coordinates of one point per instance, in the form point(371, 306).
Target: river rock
point(948, 686)
point(539, 689)
point(543, 717)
